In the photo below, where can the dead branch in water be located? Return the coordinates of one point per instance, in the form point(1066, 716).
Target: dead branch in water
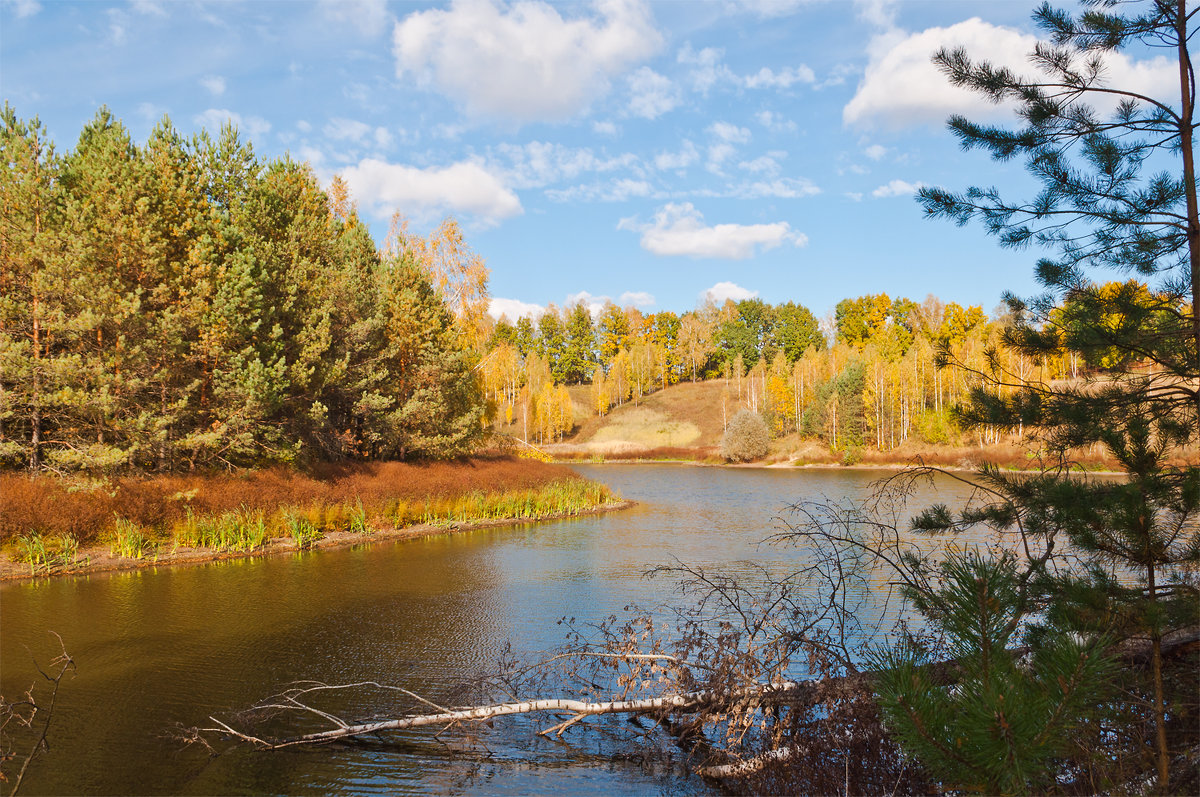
point(25, 712)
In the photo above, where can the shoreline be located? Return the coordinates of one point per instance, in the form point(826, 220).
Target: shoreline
point(99, 560)
point(814, 466)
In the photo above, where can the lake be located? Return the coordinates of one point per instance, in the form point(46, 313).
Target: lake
point(160, 648)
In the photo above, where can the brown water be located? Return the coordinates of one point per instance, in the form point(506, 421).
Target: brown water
point(161, 648)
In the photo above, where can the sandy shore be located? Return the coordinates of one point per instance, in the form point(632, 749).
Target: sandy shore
point(98, 559)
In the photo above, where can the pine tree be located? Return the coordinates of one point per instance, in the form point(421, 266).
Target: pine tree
point(1099, 210)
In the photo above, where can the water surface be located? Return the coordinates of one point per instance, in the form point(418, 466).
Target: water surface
point(167, 647)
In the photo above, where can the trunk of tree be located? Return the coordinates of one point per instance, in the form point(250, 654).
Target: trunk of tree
point(1187, 91)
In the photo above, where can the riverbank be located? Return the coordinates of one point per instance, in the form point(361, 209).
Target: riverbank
point(100, 559)
point(51, 526)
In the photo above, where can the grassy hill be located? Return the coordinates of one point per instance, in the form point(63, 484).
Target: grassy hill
point(686, 421)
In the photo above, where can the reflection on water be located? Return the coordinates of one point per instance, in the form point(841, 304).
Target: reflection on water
point(157, 649)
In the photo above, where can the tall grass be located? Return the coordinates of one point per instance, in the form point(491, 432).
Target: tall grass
point(242, 530)
point(47, 553)
point(129, 541)
point(567, 497)
point(247, 528)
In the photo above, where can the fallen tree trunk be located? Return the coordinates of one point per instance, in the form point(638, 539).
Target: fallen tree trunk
point(578, 708)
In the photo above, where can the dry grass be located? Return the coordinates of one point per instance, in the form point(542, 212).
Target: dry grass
point(50, 506)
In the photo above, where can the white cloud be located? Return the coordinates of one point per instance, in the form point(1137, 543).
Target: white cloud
point(370, 17)
point(729, 132)
point(383, 137)
point(782, 188)
point(214, 118)
point(766, 78)
point(539, 163)
point(722, 291)
point(679, 229)
point(464, 187)
point(609, 191)
point(652, 94)
point(774, 122)
point(24, 8)
point(897, 188)
point(523, 62)
point(594, 304)
point(346, 130)
point(303, 126)
point(723, 149)
point(637, 299)
point(706, 67)
point(685, 157)
point(875, 152)
point(903, 87)
point(213, 84)
point(604, 128)
point(512, 309)
point(854, 195)
point(764, 164)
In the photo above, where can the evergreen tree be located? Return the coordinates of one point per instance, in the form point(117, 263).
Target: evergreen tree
point(578, 358)
point(1099, 209)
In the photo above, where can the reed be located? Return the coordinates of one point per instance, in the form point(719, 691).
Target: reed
point(47, 553)
point(302, 530)
point(241, 530)
point(129, 541)
point(567, 497)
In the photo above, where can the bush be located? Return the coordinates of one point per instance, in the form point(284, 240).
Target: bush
point(746, 438)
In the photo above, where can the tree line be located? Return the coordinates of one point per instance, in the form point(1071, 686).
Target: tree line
point(188, 304)
point(871, 375)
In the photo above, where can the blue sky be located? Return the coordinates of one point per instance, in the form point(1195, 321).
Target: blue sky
point(649, 153)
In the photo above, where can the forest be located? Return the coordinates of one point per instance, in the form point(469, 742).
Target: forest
point(187, 305)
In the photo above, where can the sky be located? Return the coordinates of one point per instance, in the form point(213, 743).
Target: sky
point(652, 154)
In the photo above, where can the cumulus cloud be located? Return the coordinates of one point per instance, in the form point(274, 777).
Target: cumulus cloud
point(593, 304)
point(774, 122)
point(722, 291)
point(784, 78)
point(214, 118)
point(903, 87)
point(725, 136)
point(637, 299)
point(213, 84)
point(512, 309)
point(464, 187)
point(651, 94)
point(604, 128)
point(523, 62)
point(875, 152)
point(679, 229)
point(897, 188)
point(671, 161)
point(706, 67)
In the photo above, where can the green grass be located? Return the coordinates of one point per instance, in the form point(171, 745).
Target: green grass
point(242, 530)
point(129, 541)
point(302, 531)
point(47, 554)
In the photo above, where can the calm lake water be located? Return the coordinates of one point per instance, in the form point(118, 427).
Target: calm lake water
point(162, 648)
